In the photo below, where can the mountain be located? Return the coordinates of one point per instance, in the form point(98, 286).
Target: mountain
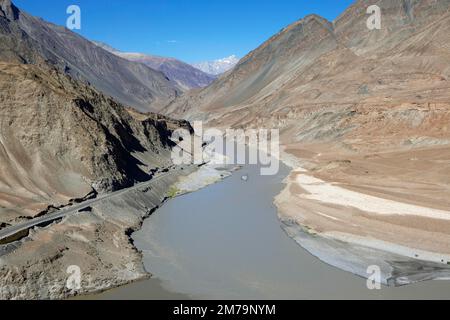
point(63, 142)
point(26, 39)
point(61, 139)
point(315, 62)
point(364, 120)
point(217, 67)
point(182, 74)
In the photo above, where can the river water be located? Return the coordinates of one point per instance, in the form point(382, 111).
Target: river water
point(226, 242)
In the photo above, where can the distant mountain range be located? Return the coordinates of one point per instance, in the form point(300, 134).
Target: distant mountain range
point(217, 67)
point(27, 39)
point(181, 74)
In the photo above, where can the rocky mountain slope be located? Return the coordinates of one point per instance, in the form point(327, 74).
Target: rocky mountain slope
point(27, 39)
point(315, 62)
point(181, 74)
point(363, 117)
point(61, 140)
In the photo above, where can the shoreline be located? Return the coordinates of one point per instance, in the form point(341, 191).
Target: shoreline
point(202, 177)
point(344, 251)
point(97, 241)
point(400, 265)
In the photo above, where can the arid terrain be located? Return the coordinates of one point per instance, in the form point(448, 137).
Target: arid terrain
point(31, 40)
point(62, 142)
point(363, 116)
point(364, 120)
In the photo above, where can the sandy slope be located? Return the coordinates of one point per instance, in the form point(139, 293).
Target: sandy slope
point(343, 200)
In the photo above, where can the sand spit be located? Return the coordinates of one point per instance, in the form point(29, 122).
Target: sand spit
point(353, 230)
point(396, 269)
point(325, 192)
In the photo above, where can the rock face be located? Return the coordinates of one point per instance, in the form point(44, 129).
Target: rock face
point(181, 74)
point(59, 139)
point(26, 39)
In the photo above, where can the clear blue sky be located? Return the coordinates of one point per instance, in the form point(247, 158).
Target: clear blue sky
point(190, 30)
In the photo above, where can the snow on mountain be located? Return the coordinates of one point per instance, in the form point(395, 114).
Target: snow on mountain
point(219, 66)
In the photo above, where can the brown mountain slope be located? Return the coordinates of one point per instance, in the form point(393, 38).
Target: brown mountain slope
point(366, 116)
point(314, 61)
point(59, 139)
point(27, 39)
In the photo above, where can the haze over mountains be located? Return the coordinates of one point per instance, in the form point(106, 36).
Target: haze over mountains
point(182, 74)
point(26, 39)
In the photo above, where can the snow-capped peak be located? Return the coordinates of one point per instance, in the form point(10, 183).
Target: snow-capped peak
point(218, 66)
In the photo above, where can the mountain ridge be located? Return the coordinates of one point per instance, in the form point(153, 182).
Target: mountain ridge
point(180, 73)
point(32, 40)
point(295, 51)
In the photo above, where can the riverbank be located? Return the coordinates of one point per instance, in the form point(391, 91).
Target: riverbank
point(344, 224)
point(96, 242)
point(225, 241)
point(150, 287)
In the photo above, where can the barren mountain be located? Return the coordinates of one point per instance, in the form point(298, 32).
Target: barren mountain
point(61, 140)
point(318, 62)
point(181, 74)
point(364, 119)
point(27, 39)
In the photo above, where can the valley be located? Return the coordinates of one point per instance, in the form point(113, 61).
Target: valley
point(88, 177)
point(363, 120)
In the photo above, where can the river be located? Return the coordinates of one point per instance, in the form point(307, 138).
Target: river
point(226, 242)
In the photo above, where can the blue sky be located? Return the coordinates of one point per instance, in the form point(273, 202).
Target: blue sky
point(192, 31)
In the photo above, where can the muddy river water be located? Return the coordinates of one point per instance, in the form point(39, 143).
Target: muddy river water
point(226, 242)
